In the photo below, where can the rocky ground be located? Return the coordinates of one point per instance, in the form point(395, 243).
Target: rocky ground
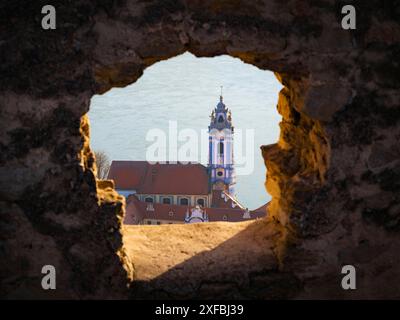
point(206, 260)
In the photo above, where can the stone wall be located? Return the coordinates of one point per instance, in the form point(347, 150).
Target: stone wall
point(334, 174)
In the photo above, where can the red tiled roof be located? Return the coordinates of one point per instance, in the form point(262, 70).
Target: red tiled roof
point(168, 178)
point(222, 214)
point(166, 212)
point(136, 211)
point(218, 201)
point(127, 174)
point(262, 209)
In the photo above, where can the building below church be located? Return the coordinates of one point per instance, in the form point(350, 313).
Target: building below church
point(185, 193)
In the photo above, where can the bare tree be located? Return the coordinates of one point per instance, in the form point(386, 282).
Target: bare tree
point(102, 163)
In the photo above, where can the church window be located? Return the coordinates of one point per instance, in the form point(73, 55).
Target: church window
point(184, 201)
point(221, 148)
point(200, 202)
point(149, 199)
point(220, 119)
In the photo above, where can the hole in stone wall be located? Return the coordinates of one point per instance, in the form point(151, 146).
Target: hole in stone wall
point(176, 101)
point(167, 110)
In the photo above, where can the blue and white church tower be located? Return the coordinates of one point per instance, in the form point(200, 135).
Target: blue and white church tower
point(220, 164)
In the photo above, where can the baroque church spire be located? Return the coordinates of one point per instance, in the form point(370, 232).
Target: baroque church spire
point(222, 176)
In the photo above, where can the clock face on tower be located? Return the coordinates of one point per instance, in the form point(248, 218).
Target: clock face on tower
point(220, 172)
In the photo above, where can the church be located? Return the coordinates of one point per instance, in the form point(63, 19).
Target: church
point(166, 193)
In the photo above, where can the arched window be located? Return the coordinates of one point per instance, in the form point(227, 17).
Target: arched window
point(220, 119)
point(221, 148)
point(200, 202)
point(166, 200)
point(149, 199)
point(184, 201)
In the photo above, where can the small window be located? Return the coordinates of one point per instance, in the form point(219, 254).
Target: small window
point(221, 148)
point(171, 213)
point(149, 199)
point(166, 200)
point(148, 222)
point(184, 202)
point(225, 218)
point(220, 119)
point(158, 222)
point(200, 202)
point(220, 173)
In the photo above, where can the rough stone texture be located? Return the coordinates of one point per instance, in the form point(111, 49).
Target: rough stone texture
point(334, 174)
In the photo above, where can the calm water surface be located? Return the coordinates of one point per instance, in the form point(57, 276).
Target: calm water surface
point(186, 89)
